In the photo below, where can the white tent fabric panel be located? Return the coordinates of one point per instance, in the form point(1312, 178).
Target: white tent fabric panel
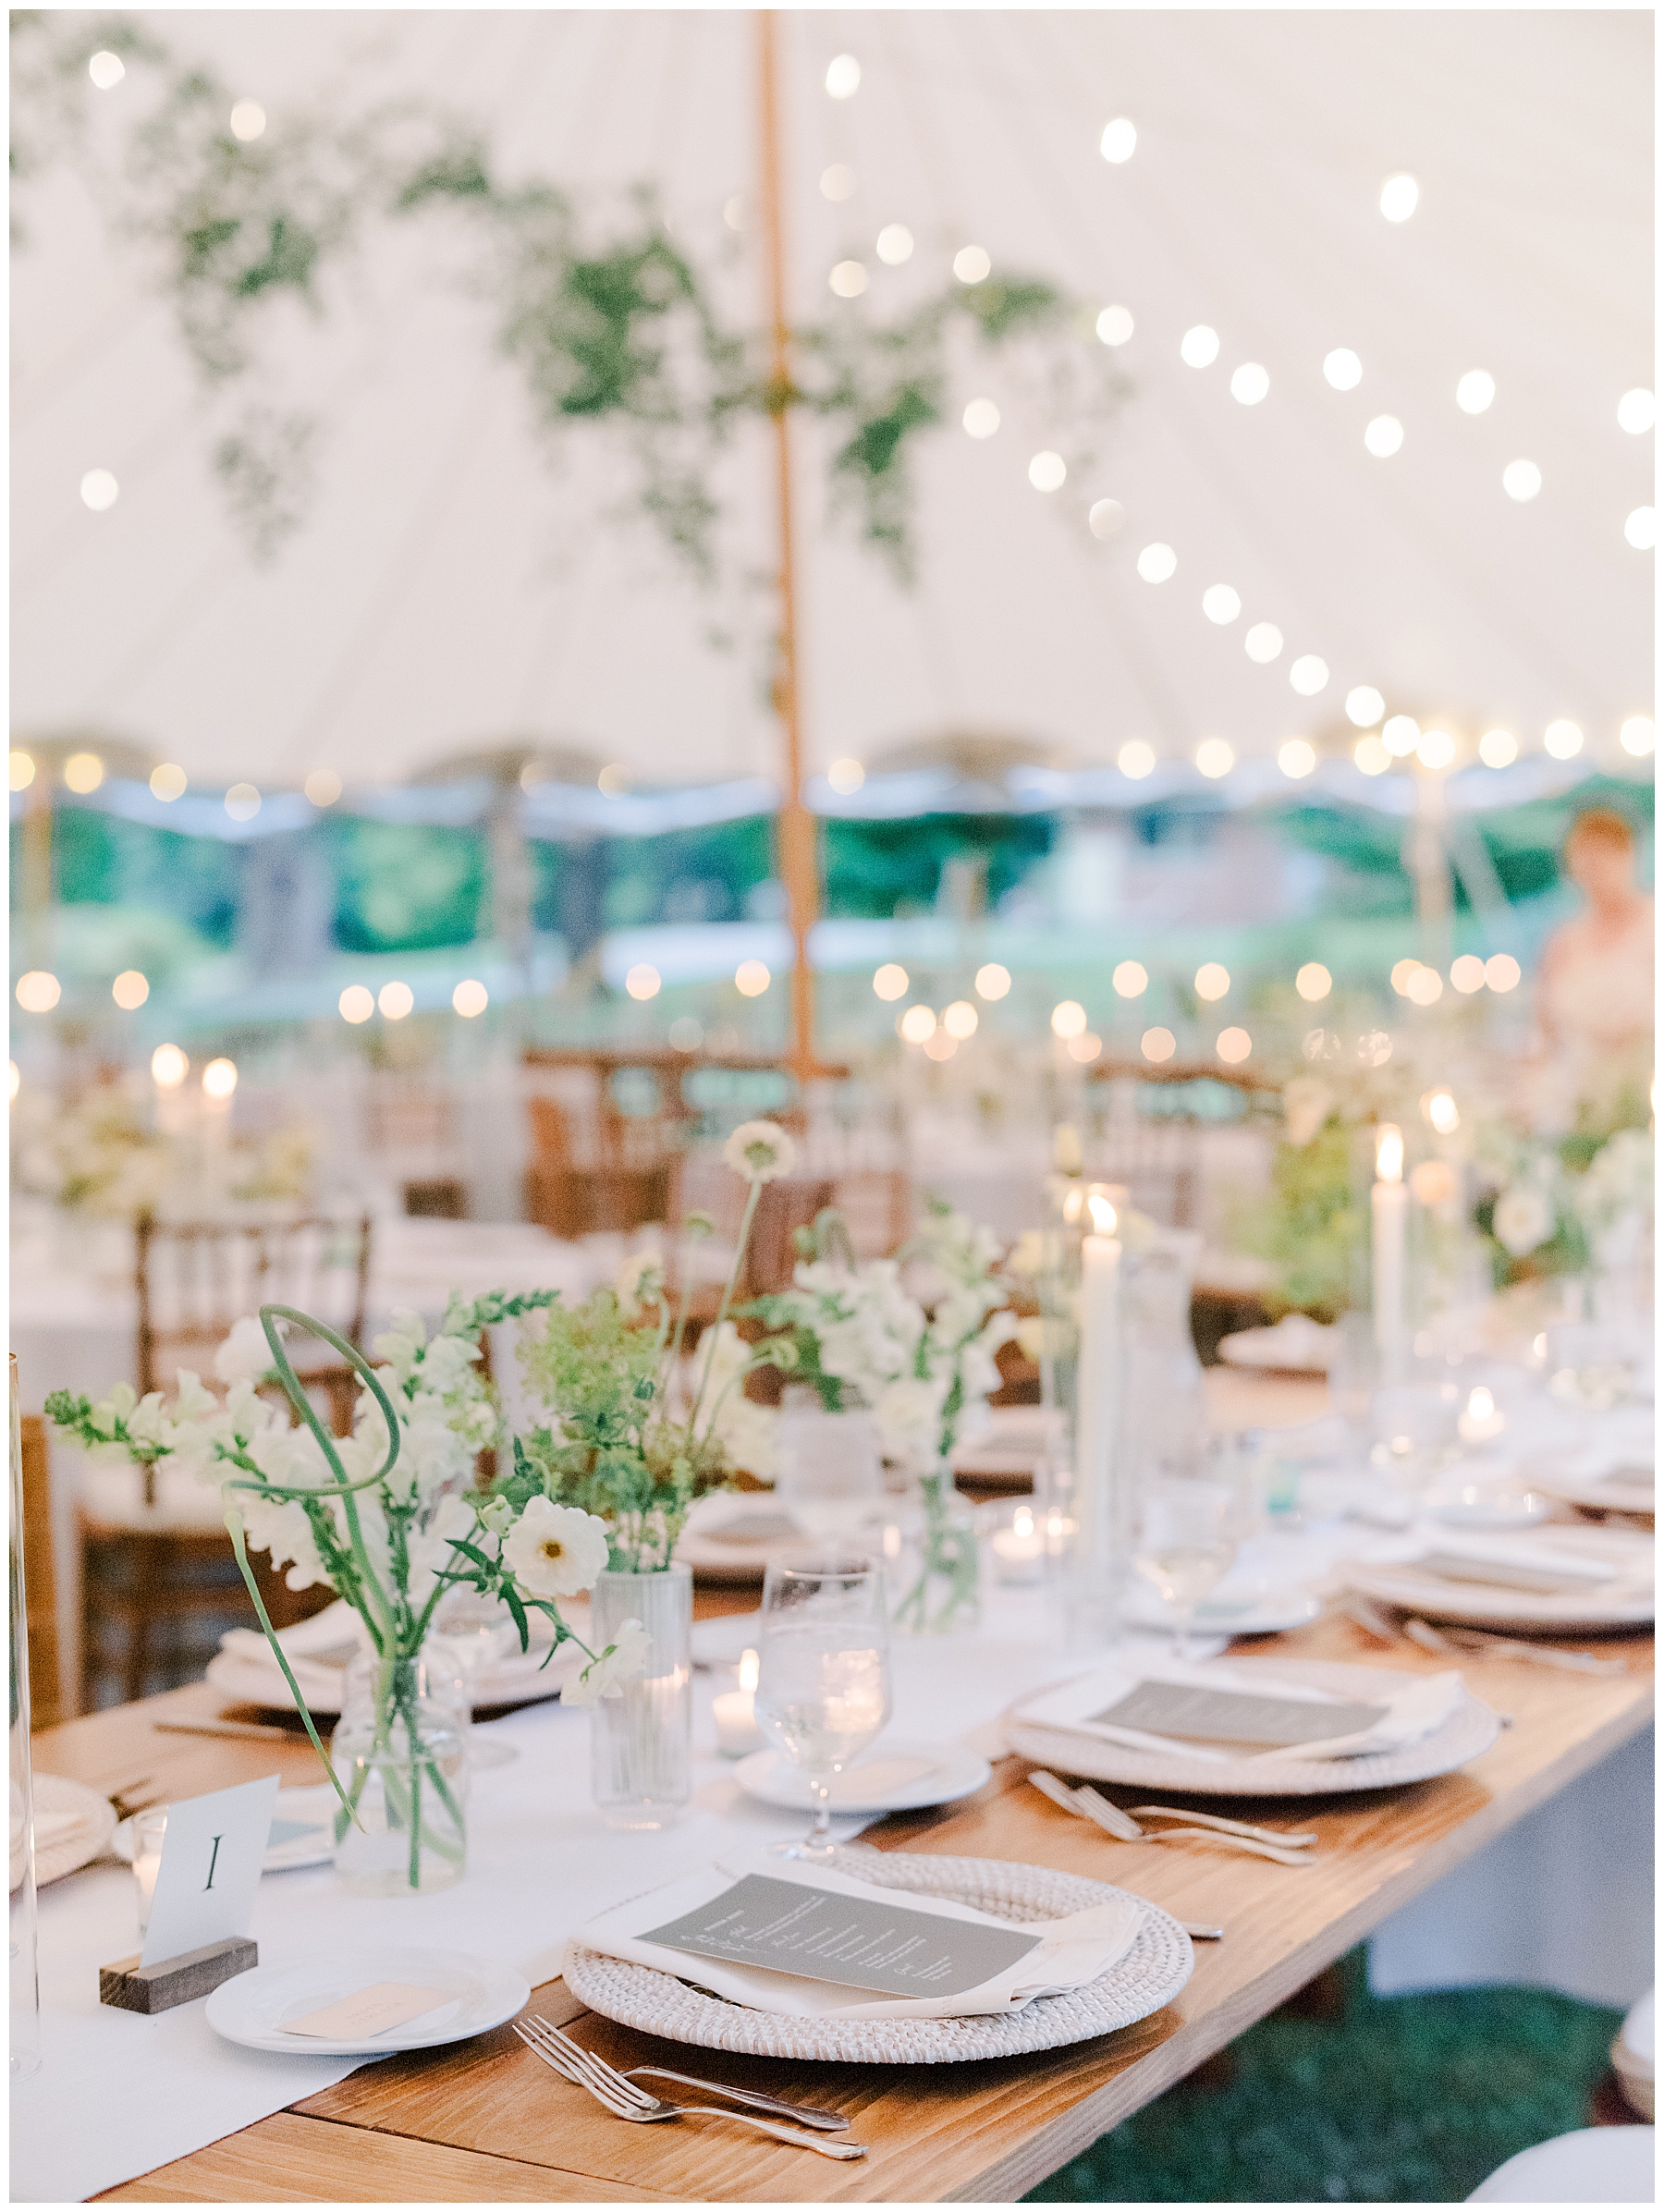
point(458, 581)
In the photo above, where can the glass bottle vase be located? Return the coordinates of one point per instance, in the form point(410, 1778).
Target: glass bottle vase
point(642, 1733)
point(401, 1753)
point(936, 1579)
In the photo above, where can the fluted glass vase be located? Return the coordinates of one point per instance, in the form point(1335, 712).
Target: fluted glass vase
point(641, 1735)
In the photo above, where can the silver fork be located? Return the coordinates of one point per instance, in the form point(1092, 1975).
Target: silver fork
point(755, 2097)
point(1127, 1831)
point(1452, 1642)
point(625, 2101)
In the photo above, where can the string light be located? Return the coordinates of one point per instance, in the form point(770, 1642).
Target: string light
point(396, 1001)
point(895, 245)
point(248, 121)
point(167, 781)
point(1156, 563)
point(1296, 758)
point(323, 786)
point(1309, 675)
point(1402, 972)
point(890, 981)
point(1498, 748)
point(1213, 980)
point(1636, 412)
point(1426, 988)
point(642, 981)
point(1475, 391)
point(168, 1067)
point(106, 69)
point(960, 1020)
point(38, 991)
point(1364, 706)
point(848, 279)
point(981, 418)
point(1069, 1019)
point(917, 1024)
point(1314, 982)
point(1086, 1047)
point(1467, 973)
point(1343, 369)
point(752, 979)
point(1636, 736)
point(219, 1079)
point(993, 981)
point(1262, 643)
point(846, 776)
point(1158, 1045)
point(1233, 1044)
point(1439, 1109)
point(1250, 384)
point(612, 782)
point(1118, 139)
point(838, 182)
point(22, 770)
point(843, 76)
point(1563, 741)
point(1115, 326)
point(1401, 736)
point(1105, 517)
point(99, 490)
point(1215, 757)
point(1383, 436)
point(971, 263)
point(1399, 197)
point(1131, 980)
point(242, 803)
point(129, 990)
point(1135, 759)
point(356, 1004)
point(1199, 348)
point(939, 1045)
point(1370, 755)
point(1521, 481)
point(1221, 603)
point(470, 998)
point(1502, 971)
point(1640, 529)
point(1436, 749)
point(1047, 472)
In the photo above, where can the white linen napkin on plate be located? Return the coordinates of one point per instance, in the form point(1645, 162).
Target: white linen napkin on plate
point(1602, 1569)
point(1069, 1952)
point(1416, 1704)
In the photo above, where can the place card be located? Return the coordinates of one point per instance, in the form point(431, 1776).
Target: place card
point(1202, 1714)
point(211, 1855)
point(854, 1942)
point(1505, 1574)
point(369, 2011)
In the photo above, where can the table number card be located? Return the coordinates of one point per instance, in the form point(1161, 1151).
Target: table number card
point(210, 1869)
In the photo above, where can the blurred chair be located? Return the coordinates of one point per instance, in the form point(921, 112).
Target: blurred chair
point(609, 1179)
point(48, 1704)
point(411, 1124)
point(1592, 2166)
point(150, 1564)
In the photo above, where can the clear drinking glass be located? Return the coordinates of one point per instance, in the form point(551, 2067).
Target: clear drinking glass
point(824, 1685)
point(1185, 1545)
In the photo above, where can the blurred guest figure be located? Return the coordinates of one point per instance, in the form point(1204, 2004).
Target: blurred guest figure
point(1595, 984)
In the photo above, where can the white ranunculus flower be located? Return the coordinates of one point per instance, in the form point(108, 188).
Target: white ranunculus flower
point(622, 1660)
point(555, 1551)
point(639, 1282)
point(245, 1355)
point(760, 1151)
point(1523, 1219)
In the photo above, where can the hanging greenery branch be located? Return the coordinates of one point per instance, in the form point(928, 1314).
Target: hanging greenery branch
point(620, 332)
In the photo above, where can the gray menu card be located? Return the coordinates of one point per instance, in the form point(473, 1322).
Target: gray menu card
point(856, 1942)
point(1214, 1716)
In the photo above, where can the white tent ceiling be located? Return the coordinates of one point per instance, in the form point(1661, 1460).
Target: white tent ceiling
point(452, 589)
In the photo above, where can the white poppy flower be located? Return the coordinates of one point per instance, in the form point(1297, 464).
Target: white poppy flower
point(245, 1355)
point(555, 1551)
point(623, 1660)
point(759, 1151)
point(1523, 1219)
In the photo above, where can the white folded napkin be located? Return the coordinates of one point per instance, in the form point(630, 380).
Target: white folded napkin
point(887, 1939)
point(1493, 1562)
point(1412, 1706)
point(73, 1825)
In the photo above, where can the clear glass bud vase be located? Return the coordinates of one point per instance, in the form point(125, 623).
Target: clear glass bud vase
point(401, 1753)
point(642, 1734)
point(935, 1583)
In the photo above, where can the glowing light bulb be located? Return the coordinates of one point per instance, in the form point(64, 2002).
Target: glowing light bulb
point(129, 990)
point(1215, 757)
point(168, 1067)
point(470, 998)
point(1156, 563)
point(890, 981)
point(356, 1004)
point(1498, 748)
point(1467, 973)
point(1436, 749)
point(38, 991)
point(971, 263)
point(1158, 1045)
point(1640, 529)
point(642, 981)
point(752, 979)
point(846, 776)
point(1502, 971)
point(1233, 1044)
point(1475, 391)
point(848, 279)
point(1069, 1019)
point(993, 981)
point(396, 1001)
point(1308, 674)
point(1105, 517)
point(1131, 980)
point(219, 1079)
point(1047, 472)
point(1636, 412)
point(917, 1024)
point(1563, 741)
point(1314, 982)
point(99, 490)
point(1213, 980)
point(1250, 384)
point(1401, 736)
point(1296, 758)
point(843, 76)
point(1199, 348)
point(167, 781)
point(1115, 326)
point(1383, 436)
point(106, 69)
point(1522, 479)
point(1343, 369)
point(1364, 706)
point(1119, 140)
point(981, 418)
point(84, 772)
point(1636, 736)
point(1399, 198)
point(1136, 759)
point(960, 1020)
point(895, 245)
point(1221, 603)
point(1262, 643)
point(248, 121)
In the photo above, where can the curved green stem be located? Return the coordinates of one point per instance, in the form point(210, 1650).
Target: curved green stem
point(233, 1525)
point(751, 1197)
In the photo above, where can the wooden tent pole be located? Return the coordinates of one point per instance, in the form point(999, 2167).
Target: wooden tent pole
point(797, 856)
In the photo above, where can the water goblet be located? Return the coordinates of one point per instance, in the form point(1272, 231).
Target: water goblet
point(1186, 1544)
point(823, 1685)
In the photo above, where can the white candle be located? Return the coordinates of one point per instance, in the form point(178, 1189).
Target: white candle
point(1019, 1551)
point(1097, 1410)
point(1389, 1210)
point(737, 1730)
point(1481, 1420)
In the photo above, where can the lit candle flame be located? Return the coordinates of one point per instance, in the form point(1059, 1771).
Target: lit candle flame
point(1481, 1404)
point(748, 1670)
point(1022, 1521)
point(1389, 1153)
point(1103, 1215)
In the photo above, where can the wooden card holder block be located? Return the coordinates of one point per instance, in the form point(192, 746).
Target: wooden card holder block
point(136, 1989)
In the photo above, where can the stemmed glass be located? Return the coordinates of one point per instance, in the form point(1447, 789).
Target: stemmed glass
point(1186, 1544)
point(823, 1682)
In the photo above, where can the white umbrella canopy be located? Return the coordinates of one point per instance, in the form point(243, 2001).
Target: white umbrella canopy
point(458, 579)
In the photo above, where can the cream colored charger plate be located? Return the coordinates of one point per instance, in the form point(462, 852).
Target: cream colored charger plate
point(1471, 1729)
point(1150, 1975)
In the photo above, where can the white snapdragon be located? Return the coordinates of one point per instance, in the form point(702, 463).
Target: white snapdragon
point(245, 1356)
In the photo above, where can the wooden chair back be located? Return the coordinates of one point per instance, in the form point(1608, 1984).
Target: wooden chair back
point(47, 1703)
point(194, 1280)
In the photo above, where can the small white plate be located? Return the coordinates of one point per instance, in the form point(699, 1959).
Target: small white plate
point(253, 2007)
point(1476, 1505)
point(1255, 1613)
point(303, 1832)
point(951, 1772)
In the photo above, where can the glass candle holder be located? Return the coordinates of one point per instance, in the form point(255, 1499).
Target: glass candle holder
point(149, 1831)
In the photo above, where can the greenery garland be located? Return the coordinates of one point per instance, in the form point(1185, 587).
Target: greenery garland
point(622, 330)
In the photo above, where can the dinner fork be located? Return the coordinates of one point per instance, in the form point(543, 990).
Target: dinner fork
point(621, 2098)
point(1452, 1642)
point(1260, 1843)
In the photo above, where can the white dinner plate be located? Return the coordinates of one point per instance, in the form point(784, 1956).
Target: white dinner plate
point(1483, 1605)
point(1480, 1505)
point(1624, 1490)
point(303, 1831)
point(480, 1993)
point(1254, 1613)
point(1296, 1346)
point(885, 1778)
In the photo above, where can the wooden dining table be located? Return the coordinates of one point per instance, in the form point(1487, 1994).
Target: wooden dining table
point(485, 2121)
